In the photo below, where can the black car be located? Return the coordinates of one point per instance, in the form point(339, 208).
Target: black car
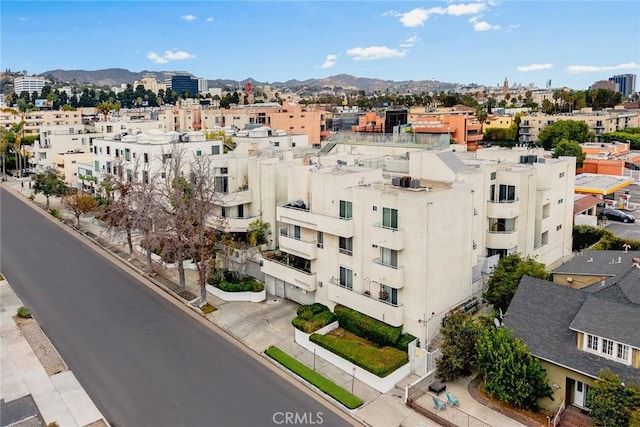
point(618, 215)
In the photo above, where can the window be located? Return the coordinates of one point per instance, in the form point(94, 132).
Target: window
point(346, 278)
point(507, 193)
point(96, 166)
point(198, 153)
point(215, 149)
point(223, 213)
point(127, 153)
point(224, 171)
point(345, 209)
point(592, 342)
point(320, 239)
point(561, 175)
point(108, 150)
point(241, 215)
point(544, 238)
point(493, 176)
point(221, 184)
point(145, 177)
point(146, 157)
point(546, 209)
point(388, 294)
point(607, 346)
point(560, 201)
point(294, 232)
point(375, 209)
point(623, 352)
point(390, 218)
point(346, 245)
point(559, 227)
point(389, 257)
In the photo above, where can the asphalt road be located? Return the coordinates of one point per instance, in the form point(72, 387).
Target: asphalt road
point(142, 360)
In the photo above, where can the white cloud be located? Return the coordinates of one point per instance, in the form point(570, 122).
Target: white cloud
point(534, 67)
point(209, 19)
point(578, 69)
point(329, 62)
point(390, 13)
point(188, 18)
point(169, 55)
point(464, 9)
point(483, 25)
point(374, 52)
point(410, 42)
point(417, 16)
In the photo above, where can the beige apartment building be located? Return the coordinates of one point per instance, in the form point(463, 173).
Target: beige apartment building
point(599, 122)
point(36, 119)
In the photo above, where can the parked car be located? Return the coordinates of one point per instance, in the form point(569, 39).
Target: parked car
point(618, 215)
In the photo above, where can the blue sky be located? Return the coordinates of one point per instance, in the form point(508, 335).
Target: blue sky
point(573, 43)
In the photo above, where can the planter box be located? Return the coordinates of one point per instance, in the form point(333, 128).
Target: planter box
point(187, 264)
point(237, 296)
point(383, 385)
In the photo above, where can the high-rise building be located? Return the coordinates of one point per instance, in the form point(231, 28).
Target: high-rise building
point(605, 84)
point(181, 84)
point(626, 83)
point(28, 83)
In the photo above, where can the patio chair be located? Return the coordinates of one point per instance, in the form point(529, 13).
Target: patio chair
point(452, 399)
point(439, 404)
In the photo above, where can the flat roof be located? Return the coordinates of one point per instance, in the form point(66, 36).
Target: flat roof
point(592, 183)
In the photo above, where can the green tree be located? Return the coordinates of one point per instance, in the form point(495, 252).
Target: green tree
point(563, 129)
point(17, 128)
point(570, 148)
point(509, 372)
point(459, 335)
point(612, 403)
point(258, 232)
point(506, 277)
point(49, 184)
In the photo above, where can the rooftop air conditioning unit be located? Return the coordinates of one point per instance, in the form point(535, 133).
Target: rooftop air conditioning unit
point(414, 183)
point(395, 181)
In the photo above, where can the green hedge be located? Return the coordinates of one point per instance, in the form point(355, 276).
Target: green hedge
point(379, 361)
point(230, 281)
point(312, 317)
point(367, 327)
point(403, 342)
point(327, 386)
point(585, 236)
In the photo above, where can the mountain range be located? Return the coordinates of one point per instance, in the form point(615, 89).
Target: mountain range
point(116, 76)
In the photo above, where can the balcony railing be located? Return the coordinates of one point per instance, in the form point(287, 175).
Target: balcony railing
point(371, 305)
point(280, 269)
point(390, 275)
point(304, 248)
point(304, 218)
point(388, 237)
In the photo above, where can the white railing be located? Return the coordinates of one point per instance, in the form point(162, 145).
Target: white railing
point(556, 419)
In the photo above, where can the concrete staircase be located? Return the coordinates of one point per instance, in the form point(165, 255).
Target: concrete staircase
point(573, 417)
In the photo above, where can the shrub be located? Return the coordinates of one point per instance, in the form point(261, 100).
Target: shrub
point(1, 277)
point(367, 327)
point(403, 342)
point(55, 212)
point(32, 197)
point(24, 313)
point(312, 317)
point(585, 236)
point(379, 361)
point(327, 386)
point(230, 281)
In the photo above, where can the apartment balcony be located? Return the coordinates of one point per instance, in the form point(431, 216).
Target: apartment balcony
point(234, 199)
point(368, 304)
point(387, 237)
point(279, 269)
point(387, 274)
point(307, 219)
point(306, 249)
point(502, 239)
point(231, 224)
point(503, 209)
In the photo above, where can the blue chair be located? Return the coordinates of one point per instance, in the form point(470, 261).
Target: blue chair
point(439, 404)
point(452, 399)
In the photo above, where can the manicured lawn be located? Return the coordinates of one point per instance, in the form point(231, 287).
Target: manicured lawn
point(380, 361)
point(327, 386)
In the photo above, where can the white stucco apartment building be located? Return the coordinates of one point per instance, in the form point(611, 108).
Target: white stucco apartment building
point(403, 235)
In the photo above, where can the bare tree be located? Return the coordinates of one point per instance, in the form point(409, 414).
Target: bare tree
point(79, 204)
point(203, 196)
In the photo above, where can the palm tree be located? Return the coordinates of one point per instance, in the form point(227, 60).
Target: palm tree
point(18, 128)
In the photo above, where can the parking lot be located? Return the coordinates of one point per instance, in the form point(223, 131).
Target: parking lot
point(629, 231)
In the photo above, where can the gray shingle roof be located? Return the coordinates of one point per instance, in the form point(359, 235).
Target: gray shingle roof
point(609, 319)
point(606, 263)
point(541, 313)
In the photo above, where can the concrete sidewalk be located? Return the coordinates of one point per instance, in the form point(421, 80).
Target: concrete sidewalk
point(260, 325)
point(58, 398)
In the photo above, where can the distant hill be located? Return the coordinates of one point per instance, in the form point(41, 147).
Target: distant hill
point(116, 76)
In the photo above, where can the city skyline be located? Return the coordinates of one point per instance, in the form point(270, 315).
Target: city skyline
point(462, 42)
